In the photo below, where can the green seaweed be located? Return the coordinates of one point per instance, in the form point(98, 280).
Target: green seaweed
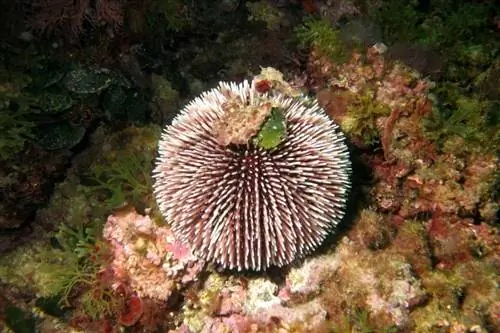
point(462, 32)
point(455, 114)
point(398, 20)
point(165, 99)
point(69, 265)
point(160, 18)
point(79, 240)
point(100, 301)
point(263, 11)
point(36, 91)
point(361, 117)
point(15, 128)
point(171, 13)
point(450, 22)
point(71, 270)
point(321, 34)
point(358, 320)
point(125, 179)
point(442, 24)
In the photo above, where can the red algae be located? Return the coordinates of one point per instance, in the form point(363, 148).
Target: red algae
point(132, 312)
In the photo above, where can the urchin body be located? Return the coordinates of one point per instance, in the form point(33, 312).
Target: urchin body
point(242, 206)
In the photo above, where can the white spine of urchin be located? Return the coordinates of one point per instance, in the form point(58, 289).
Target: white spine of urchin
point(245, 207)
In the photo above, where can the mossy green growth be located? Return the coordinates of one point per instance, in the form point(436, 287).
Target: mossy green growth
point(264, 11)
point(455, 114)
point(358, 320)
point(19, 321)
point(463, 32)
point(441, 24)
point(165, 99)
point(321, 34)
point(450, 22)
point(159, 18)
point(361, 117)
point(170, 9)
point(73, 205)
point(15, 128)
point(15, 131)
point(398, 19)
point(163, 89)
point(449, 296)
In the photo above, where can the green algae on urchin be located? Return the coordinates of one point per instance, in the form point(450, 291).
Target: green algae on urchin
point(273, 131)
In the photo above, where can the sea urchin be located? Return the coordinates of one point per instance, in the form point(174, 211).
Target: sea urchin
point(241, 204)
